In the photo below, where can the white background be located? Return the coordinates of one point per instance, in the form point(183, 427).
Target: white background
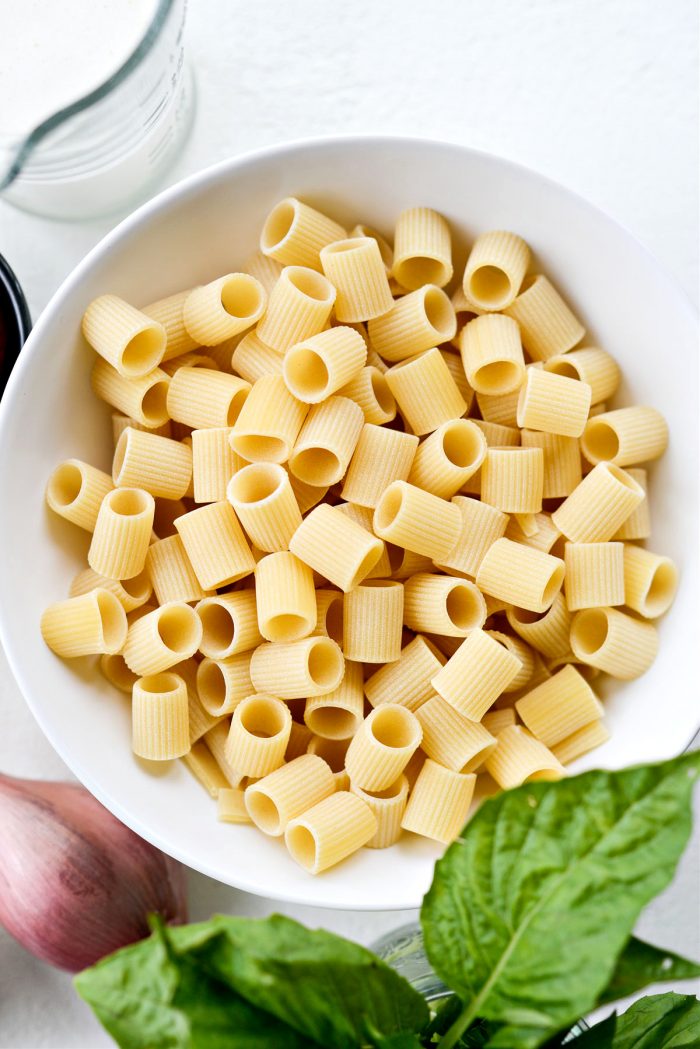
point(599, 95)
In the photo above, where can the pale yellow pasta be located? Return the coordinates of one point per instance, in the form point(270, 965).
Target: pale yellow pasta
point(122, 533)
point(126, 338)
point(479, 671)
point(382, 747)
point(452, 739)
point(316, 367)
point(143, 399)
point(492, 354)
point(288, 792)
point(425, 392)
point(335, 546)
point(370, 391)
point(381, 457)
point(440, 604)
point(621, 645)
point(330, 831)
point(226, 306)
point(464, 311)
point(495, 269)
point(407, 680)
point(547, 325)
point(217, 739)
point(494, 605)
point(545, 536)
point(496, 720)
point(559, 706)
point(229, 624)
point(548, 632)
point(306, 495)
point(201, 763)
point(385, 249)
point(590, 365)
point(498, 435)
point(262, 496)
point(333, 752)
point(599, 505)
point(75, 490)
point(327, 441)
point(439, 803)
point(388, 807)
point(561, 462)
point(90, 623)
point(312, 666)
point(215, 544)
point(120, 423)
point(202, 398)
point(447, 645)
point(590, 673)
point(363, 516)
point(264, 268)
point(523, 652)
point(162, 638)
point(417, 520)
point(553, 403)
point(171, 573)
point(258, 736)
point(192, 360)
point(520, 575)
point(416, 322)
point(480, 526)
point(422, 249)
point(230, 807)
point(269, 423)
point(585, 739)
point(650, 582)
point(408, 563)
point(446, 459)
point(329, 614)
point(299, 307)
point(375, 361)
point(373, 621)
point(638, 524)
point(213, 463)
point(512, 479)
point(115, 670)
point(159, 717)
point(625, 436)
point(156, 464)
point(252, 358)
point(294, 233)
point(338, 714)
point(520, 758)
point(500, 409)
point(525, 524)
point(299, 739)
point(356, 269)
point(224, 683)
point(456, 370)
point(285, 595)
point(594, 575)
point(168, 312)
point(201, 721)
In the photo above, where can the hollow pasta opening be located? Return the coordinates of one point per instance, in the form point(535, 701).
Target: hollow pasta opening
point(113, 620)
point(120, 453)
point(333, 722)
point(553, 585)
point(306, 373)
point(116, 671)
point(278, 225)
point(439, 313)
point(332, 751)
point(128, 502)
point(367, 564)
point(302, 845)
point(489, 286)
point(241, 296)
point(461, 445)
point(325, 663)
point(334, 619)
point(394, 791)
point(286, 627)
point(499, 377)
point(662, 589)
point(139, 586)
point(563, 367)
point(143, 352)
point(381, 391)
point(340, 247)
point(388, 507)
point(218, 626)
point(255, 446)
point(317, 466)
point(525, 616)
point(263, 811)
point(257, 482)
point(179, 629)
point(589, 631)
point(541, 775)
point(623, 477)
point(159, 684)
point(393, 726)
point(463, 608)
point(154, 404)
point(600, 442)
point(263, 716)
point(478, 758)
point(235, 405)
point(310, 283)
point(65, 484)
point(421, 269)
point(211, 685)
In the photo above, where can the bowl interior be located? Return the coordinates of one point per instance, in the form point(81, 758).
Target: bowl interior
point(207, 226)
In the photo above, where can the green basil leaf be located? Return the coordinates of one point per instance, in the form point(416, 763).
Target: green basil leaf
point(660, 1021)
point(530, 908)
point(328, 989)
point(641, 964)
point(407, 1040)
point(600, 1036)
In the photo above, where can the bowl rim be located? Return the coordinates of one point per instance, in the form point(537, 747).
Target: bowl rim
point(183, 189)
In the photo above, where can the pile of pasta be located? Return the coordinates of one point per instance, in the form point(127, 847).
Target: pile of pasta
point(362, 542)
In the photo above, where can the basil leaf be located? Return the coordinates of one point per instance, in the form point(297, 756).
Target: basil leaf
point(660, 1021)
point(600, 1036)
point(328, 989)
point(531, 906)
point(397, 1041)
point(147, 999)
point(641, 964)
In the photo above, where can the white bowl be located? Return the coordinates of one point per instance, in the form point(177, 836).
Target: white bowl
point(206, 226)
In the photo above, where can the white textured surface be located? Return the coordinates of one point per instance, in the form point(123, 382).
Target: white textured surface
point(596, 95)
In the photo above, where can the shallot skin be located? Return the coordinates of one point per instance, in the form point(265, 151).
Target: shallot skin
point(75, 883)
